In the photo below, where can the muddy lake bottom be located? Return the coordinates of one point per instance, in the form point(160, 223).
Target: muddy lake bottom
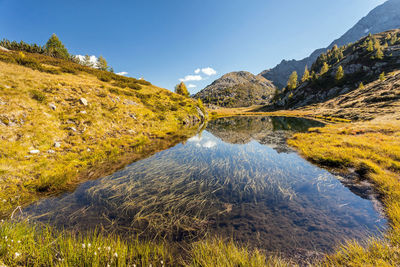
point(236, 179)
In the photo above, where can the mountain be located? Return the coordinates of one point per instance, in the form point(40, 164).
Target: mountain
point(359, 80)
point(237, 89)
point(382, 18)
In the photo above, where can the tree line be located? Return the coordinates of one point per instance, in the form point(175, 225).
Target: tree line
point(55, 48)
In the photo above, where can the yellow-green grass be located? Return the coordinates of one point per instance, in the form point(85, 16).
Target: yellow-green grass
point(371, 149)
point(118, 125)
point(26, 244)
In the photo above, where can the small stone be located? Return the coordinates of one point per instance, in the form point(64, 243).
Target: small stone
point(130, 103)
point(83, 112)
point(57, 144)
point(52, 106)
point(88, 150)
point(34, 151)
point(51, 151)
point(72, 129)
point(83, 101)
point(132, 116)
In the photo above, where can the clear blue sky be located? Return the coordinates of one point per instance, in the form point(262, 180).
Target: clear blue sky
point(165, 40)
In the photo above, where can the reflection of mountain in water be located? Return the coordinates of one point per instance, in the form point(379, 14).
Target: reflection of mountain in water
point(270, 131)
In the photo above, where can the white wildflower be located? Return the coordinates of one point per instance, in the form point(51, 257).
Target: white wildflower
point(116, 255)
point(17, 254)
point(83, 246)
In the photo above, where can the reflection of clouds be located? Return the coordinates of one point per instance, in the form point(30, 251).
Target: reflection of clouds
point(196, 139)
point(209, 144)
point(201, 141)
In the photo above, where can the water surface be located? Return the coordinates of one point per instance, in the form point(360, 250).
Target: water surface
point(236, 179)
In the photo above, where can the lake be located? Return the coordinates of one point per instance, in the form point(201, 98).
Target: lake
point(235, 179)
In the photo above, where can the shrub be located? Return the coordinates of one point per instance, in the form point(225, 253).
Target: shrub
point(30, 62)
point(38, 96)
point(104, 77)
point(68, 69)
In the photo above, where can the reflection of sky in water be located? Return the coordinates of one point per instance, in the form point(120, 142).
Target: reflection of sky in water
point(201, 141)
point(277, 201)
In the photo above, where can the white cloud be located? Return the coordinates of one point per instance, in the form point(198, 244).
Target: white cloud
point(197, 71)
point(192, 86)
point(93, 59)
point(122, 73)
point(189, 78)
point(209, 71)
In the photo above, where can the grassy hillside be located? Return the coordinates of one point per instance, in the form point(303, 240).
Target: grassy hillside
point(62, 123)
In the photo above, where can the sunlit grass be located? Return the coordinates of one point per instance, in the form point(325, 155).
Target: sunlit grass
point(217, 252)
point(372, 150)
point(26, 244)
point(117, 121)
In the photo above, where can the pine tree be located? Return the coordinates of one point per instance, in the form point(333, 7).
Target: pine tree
point(382, 76)
point(361, 86)
point(102, 63)
point(86, 61)
point(339, 73)
point(393, 40)
point(370, 46)
point(55, 48)
point(306, 75)
point(379, 54)
point(181, 89)
point(324, 69)
point(377, 44)
point(292, 82)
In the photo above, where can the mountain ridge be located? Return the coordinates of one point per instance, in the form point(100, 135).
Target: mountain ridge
point(382, 18)
point(357, 80)
point(237, 89)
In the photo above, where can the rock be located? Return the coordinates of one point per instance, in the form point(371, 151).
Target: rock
point(57, 144)
point(34, 151)
point(83, 101)
point(83, 112)
point(130, 103)
point(201, 114)
point(52, 106)
point(72, 129)
point(132, 116)
point(88, 150)
point(50, 151)
point(4, 49)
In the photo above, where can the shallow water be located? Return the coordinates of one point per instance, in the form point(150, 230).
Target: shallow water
point(236, 179)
